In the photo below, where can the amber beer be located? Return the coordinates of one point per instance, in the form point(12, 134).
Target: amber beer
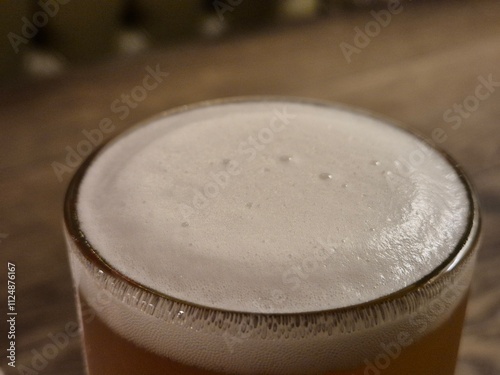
point(270, 236)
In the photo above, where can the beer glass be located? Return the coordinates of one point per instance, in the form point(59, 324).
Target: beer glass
point(271, 236)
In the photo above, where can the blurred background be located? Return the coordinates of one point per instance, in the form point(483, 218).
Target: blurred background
point(46, 37)
point(70, 68)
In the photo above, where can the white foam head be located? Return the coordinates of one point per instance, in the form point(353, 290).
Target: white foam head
point(316, 208)
point(272, 207)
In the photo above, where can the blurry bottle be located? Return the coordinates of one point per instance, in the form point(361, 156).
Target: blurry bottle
point(299, 10)
point(246, 14)
point(15, 17)
point(170, 20)
point(86, 30)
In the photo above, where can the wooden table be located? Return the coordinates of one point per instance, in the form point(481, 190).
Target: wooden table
point(427, 59)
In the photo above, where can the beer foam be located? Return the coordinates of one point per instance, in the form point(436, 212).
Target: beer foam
point(285, 209)
point(272, 207)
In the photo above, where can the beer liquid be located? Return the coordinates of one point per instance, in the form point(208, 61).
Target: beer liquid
point(435, 353)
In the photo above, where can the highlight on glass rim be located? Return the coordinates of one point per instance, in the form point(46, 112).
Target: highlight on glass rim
point(270, 236)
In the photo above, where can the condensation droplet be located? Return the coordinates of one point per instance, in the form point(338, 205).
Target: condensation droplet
point(285, 158)
point(372, 229)
point(345, 186)
point(185, 224)
point(325, 176)
point(376, 162)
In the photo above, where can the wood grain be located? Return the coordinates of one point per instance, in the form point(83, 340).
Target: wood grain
point(427, 58)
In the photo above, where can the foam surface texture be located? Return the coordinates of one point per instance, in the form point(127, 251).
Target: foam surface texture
point(274, 207)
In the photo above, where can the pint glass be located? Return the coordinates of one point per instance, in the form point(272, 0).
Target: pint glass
point(270, 236)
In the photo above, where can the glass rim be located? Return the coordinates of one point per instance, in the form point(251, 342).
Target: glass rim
point(462, 251)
